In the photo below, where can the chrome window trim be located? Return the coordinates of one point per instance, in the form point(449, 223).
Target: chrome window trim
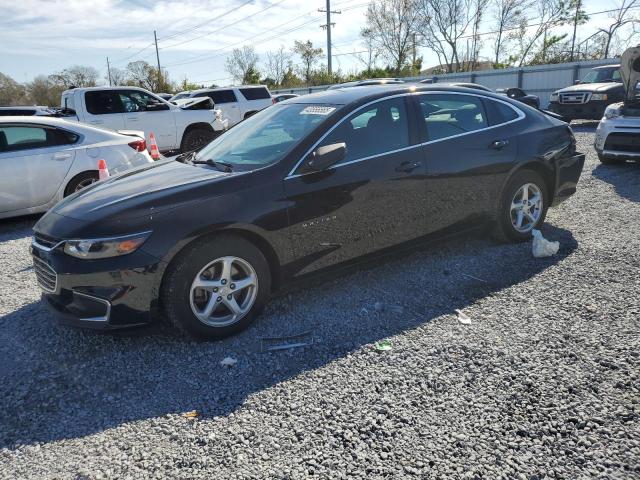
point(520, 113)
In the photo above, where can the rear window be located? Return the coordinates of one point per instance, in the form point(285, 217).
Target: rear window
point(219, 96)
point(103, 102)
point(255, 93)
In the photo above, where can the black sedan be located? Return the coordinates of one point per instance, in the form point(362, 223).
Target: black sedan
point(521, 96)
point(306, 184)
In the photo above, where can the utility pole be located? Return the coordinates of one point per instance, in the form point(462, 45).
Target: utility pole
point(328, 27)
point(108, 71)
point(575, 26)
point(155, 39)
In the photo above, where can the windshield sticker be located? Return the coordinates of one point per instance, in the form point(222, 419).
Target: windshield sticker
point(317, 110)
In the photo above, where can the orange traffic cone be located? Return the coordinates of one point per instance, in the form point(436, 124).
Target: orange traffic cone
point(153, 145)
point(103, 171)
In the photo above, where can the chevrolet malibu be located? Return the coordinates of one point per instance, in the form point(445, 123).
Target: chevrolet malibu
point(303, 185)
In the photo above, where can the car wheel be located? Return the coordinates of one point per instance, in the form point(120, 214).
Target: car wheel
point(81, 181)
point(523, 207)
point(195, 139)
point(216, 287)
point(609, 161)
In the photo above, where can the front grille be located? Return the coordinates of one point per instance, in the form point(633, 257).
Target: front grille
point(576, 98)
point(623, 142)
point(46, 276)
point(45, 240)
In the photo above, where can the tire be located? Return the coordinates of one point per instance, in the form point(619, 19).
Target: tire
point(506, 229)
point(609, 161)
point(181, 299)
point(249, 114)
point(196, 138)
point(80, 181)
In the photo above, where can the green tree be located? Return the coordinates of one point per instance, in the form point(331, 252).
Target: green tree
point(309, 56)
point(11, 92)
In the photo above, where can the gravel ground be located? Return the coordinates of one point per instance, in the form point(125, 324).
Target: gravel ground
point(544, 382)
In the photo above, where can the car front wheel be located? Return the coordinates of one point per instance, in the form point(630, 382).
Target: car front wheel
point(523, 207)
point(216, 287)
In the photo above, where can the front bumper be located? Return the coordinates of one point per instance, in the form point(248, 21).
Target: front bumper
point(593, 110)
point(619, 138)
point(98, 294)
point(568, 171)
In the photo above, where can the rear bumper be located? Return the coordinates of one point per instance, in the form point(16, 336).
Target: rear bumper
point(568, 171)
point(593, 110)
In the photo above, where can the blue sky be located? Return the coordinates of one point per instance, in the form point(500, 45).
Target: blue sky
point(45, 36)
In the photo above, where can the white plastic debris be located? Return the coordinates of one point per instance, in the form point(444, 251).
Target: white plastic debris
point(463, 318)
point(542, 247)
point(228, 362)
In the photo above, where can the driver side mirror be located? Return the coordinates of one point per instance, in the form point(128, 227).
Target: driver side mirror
point(323, 157)
point(155, 107)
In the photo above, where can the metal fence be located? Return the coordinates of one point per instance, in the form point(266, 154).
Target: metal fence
point(539, 80)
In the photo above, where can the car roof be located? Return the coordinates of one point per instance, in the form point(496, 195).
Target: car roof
point(345, 96)
point(606, 66)
point(54, 122)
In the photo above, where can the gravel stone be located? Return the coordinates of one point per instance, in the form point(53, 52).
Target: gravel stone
point(544, 384)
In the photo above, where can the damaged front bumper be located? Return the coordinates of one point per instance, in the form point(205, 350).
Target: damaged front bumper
point(619, 138)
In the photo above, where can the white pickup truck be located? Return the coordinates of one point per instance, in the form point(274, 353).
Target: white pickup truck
point(186, 127)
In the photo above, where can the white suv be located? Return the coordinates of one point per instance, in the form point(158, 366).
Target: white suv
point(236, 103)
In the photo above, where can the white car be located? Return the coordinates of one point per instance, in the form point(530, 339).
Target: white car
point(236, 103)
point(44, 159)
point(27, 111)
point(618, 133)
point(186, 127)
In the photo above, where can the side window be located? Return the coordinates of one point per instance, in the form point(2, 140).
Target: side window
point(63, 137)
point(220, 96)
point(137, 101)
point(255, 93)
point(24, 138)
point(499, 113)
point(616, 77)
point(447, 115)
point(377, 129)
point(102, 102)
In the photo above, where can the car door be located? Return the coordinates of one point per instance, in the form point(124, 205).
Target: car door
point(145, 112)
point(34, 160)
point(468, 152)
point(104, 109)
point(371, 199)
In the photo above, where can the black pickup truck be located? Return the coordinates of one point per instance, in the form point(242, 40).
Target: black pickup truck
point(589, 97)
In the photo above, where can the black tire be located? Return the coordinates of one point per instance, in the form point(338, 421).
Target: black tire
point(196, 138)
point(249, 114)
point(176, 286)
point(504, 230)
point(609, 161)
point(80, 181)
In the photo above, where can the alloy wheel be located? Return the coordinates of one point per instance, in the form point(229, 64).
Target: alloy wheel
point(224, 291)
point(526, 207)
point(85, 183)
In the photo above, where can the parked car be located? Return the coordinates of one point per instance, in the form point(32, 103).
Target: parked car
point(520, 95)
point(618, 133)
point(477, 86)
point(589, 98)
point(26, 111)
point(186, 128)
point(236, 103)
point(299, 187)
point(284, 96)
point(367, 82)
point(45, 159)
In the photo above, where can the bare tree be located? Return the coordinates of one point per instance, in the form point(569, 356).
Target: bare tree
point(78, 76)
point(507, 14)
point(242, 63)
point(277, 64)
point(390, 27)
point(309, 56)
point(619, 19)
point(11, 92)
point(372, 53)
point(42, 91)
point(142, 74)
point(118, 76)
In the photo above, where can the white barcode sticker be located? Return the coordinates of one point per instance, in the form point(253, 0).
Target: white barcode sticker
point(317, 110)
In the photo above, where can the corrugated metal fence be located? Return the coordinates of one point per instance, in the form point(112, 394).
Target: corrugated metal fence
point(539, 80)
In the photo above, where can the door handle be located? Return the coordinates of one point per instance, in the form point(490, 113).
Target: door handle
point(61, 156)
point(96, 122)
point(407, 167)
point(498, 144)
point(132, 119)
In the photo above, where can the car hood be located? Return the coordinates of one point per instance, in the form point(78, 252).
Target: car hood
point(141, 192)
point(591, 87)
point(630, 72)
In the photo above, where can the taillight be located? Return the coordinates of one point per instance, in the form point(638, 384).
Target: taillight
point(139, 145)
point(273, 100)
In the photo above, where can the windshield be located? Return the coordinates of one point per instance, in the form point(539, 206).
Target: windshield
point(267, 136)
point(602, 75)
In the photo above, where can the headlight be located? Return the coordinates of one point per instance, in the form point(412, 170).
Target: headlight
point(599, 96)
point(612, 111)
point(105, 247)
point(554, 97)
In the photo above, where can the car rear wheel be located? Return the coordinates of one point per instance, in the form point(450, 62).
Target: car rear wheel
point(523, 207)
point(216, 287)
point(81, 181)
